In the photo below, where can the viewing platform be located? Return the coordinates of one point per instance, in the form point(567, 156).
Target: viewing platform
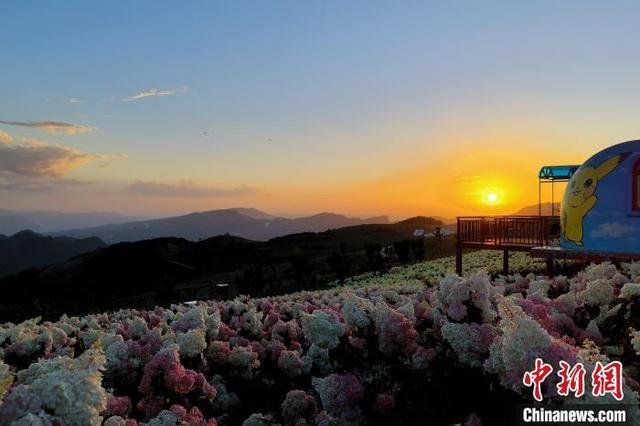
point(506, 233)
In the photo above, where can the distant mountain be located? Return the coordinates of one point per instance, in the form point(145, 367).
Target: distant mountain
point(166, 270)
point(254, 213)
point(246, 223)
point(533, 210)
point(12, 221)
point(26, 249)
point(446, 220)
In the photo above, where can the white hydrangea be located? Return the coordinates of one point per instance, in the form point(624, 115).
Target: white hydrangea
point(468, 341)
point(356, 310)
point(213, 324)
point(632, 269)
point(6, 379)
point(322, 329)
point(116, 352)
point(252, 321)
point(192, 343)
point(522, 340)
point(164, 418)
point(115, 421)
point(453, 292)
point(630, 290)
point(243, 358)
point(540, 286)
point(318, 357)
point(68, 388)
point(190, 319)
point(137, 327)
point(604, 270)
point(599, 292)
point(259, 419)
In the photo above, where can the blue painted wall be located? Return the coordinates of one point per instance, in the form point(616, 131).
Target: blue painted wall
point(597, 211)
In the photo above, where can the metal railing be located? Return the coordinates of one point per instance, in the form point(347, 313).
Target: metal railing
point(508, 230)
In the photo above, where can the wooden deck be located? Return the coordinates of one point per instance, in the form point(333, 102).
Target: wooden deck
point(505, 233)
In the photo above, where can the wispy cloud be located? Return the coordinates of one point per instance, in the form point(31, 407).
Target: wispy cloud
point(72, 100)
point(54, 127)
point(155, 93)
point(188, 188)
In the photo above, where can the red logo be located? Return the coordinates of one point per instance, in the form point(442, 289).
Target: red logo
point(536, 377)
point(605, 379)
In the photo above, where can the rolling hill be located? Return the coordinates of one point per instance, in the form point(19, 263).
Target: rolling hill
point(246, 223)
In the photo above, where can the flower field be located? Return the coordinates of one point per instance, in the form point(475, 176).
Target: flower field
point(417, 343)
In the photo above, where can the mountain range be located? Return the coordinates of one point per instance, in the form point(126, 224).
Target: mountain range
point(246, 223)
point(12, 221)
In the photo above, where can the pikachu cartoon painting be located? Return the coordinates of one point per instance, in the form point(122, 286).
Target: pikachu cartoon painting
point(580, 196)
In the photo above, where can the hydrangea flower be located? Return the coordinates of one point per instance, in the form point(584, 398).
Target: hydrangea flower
point(298, 405)
point(68, 388)
point(340, 394)
point(322, 329)
point(395, 331)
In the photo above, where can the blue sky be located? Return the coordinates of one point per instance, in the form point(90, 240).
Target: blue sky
point(308, 103)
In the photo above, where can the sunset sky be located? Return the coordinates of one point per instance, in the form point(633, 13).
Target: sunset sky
point(295, 107)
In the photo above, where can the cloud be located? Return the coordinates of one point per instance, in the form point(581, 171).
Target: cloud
point(54, 127)
point(12, 183)
point(187, 188)
point(36, 159)
point(155, 93)
point(5, 138)
point(72, 100)
point(612, 230)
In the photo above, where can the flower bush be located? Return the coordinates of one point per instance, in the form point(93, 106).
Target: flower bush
point(380, 350)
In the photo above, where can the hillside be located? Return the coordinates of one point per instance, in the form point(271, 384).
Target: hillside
point(246, 223)
point(26, 249)
point(164, 270)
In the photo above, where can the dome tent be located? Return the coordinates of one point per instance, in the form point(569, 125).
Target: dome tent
point(601, 206)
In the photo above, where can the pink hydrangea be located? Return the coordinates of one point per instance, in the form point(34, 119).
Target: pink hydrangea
point(290, 363)
point(166, 368)
point(395, 331)
point(118, 406)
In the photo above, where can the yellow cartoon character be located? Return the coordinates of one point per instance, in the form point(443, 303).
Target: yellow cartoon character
point(580, 197)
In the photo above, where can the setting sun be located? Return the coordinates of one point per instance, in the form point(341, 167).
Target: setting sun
point(492, 196)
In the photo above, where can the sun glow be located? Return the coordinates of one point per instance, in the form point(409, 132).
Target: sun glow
point(491, 196)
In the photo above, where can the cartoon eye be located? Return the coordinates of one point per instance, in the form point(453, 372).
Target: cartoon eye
point(588, 183)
